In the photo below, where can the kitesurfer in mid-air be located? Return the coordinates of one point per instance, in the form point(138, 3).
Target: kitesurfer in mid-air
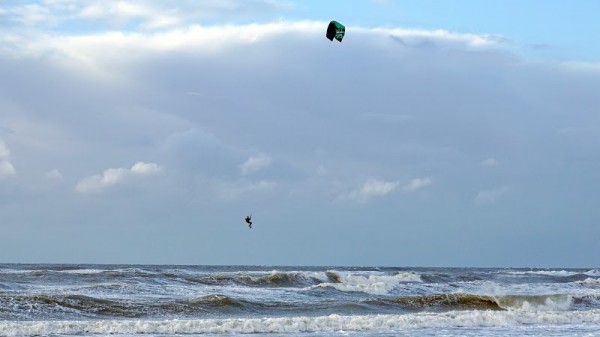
point(249, 220)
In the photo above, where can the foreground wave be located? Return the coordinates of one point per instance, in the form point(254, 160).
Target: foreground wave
point(330, 323)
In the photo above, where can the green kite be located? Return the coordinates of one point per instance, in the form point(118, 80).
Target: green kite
point(335, 30)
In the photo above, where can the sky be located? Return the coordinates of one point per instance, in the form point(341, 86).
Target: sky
point(459, 133)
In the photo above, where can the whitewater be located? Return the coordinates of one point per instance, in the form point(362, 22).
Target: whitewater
point(158, 300)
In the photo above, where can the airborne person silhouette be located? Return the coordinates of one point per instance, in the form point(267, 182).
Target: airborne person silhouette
point(249, 220)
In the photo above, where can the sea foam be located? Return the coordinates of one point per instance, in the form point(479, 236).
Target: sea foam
point(374, 284)
point(331, 323)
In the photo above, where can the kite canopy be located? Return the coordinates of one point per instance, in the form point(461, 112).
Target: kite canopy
point(335, 30)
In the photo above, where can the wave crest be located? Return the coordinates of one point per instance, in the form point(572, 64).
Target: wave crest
point(448, 301)
point(48, 306)
point(374, 284)
point(463, 301)
point(554, 302)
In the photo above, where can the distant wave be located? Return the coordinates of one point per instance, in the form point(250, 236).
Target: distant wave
point(301, 324)
point(593, 272)
point(556, 273)
point(272, 279)
point(374, 284)
point(590, 282)
point(285, 279)
point(370, 283)
point(82, 272)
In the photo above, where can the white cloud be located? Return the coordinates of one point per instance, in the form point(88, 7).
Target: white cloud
point(6, 167)
point(255, 163)
point(30, 14)
point(234, 190)
point(97, 183)
point(124, 11)
point(102, 45)
point(418, 36)
point(370, 189)
point(417, 183)
point(4, 151)
point(490, 196)
point(490, 162)
point(54, 175)
point(113, 176)
point(133, 14)
point(142, 168)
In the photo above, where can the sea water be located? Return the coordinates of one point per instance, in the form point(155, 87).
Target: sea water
point(135, 300)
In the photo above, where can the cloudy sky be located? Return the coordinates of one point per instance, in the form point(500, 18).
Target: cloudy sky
point(463, 133)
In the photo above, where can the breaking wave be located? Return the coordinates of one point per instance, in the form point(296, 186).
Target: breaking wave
point(565, 274)
point(462, 301)
point(347, 281)
point(555, 302)
point(449, 301)
point(374, 284)
point(300, 324)
point(590, 282)
point(593, 272)
point(48, 306)
point(272, 279)
point(79, 306)
point(55, 300)
point(284, 279)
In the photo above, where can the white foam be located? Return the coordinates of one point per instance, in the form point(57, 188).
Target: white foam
point(590, 282)
point(593, 272)
point(16, 271)
point(81, 271)
point(555, 273)
point(332, 323)
point(374, 284)
point(67, 271)
point(537, 303)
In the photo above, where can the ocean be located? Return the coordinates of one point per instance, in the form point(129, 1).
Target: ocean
point(161, 300)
